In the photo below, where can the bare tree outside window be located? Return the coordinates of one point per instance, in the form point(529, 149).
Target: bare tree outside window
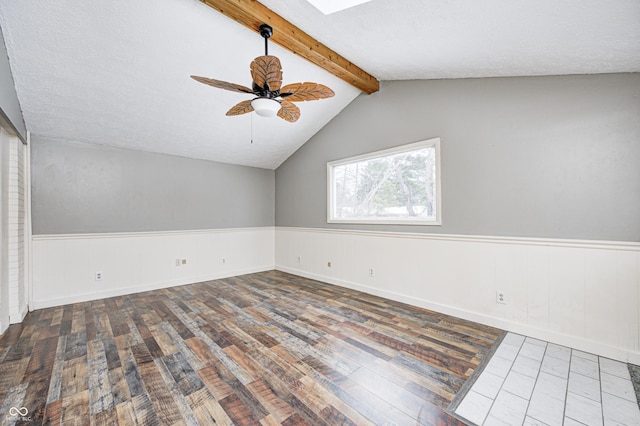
point(397, 185)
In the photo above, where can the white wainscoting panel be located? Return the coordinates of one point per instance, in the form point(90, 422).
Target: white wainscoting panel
point(17, 221)
point(582, 294)
point(64, 266)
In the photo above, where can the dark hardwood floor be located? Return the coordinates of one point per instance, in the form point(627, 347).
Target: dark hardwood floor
point(267, 348)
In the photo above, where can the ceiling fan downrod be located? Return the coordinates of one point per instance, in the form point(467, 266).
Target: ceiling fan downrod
point(266, 31)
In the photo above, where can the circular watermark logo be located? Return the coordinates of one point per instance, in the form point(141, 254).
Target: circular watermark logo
point(15, 411)
point(22, 413)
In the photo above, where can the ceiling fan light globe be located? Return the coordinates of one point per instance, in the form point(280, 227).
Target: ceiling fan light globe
point(265, 107)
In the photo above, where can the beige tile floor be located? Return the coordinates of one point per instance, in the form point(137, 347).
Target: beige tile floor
point(532, 382)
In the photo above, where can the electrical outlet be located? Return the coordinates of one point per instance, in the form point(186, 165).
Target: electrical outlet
point(178, 262)
point(501, 297)
point(184, 261)
point(329, 264)
point(224, 260)
point(372, 272)
point(299, 259)
point(99, 275)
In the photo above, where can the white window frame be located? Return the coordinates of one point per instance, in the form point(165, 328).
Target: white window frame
point(435, 142)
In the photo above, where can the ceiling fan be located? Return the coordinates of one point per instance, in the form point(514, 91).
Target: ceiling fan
point(271, 97)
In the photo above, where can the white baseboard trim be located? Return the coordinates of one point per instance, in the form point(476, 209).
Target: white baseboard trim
point(574, 342)
point(86, 297)
point(13, 319)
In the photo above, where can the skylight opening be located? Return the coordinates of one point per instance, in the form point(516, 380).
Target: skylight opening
point(331, 6)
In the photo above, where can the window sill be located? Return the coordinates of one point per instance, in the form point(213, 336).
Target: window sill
point(420, 222)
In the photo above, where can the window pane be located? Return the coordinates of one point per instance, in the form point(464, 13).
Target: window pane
point(398, 186)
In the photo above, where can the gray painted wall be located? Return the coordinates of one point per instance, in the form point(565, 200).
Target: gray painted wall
point(555, 157)
point(8, 97)
point(83, 188)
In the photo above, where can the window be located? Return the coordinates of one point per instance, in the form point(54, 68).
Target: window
point(396, 186)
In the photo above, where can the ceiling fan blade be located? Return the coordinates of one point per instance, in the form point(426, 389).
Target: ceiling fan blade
point(267, 69)
point(241, 108)
point(222, 84)
point(308, 91)
point(289, 111)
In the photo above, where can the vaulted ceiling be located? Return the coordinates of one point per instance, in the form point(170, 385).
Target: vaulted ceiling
point(117, 72)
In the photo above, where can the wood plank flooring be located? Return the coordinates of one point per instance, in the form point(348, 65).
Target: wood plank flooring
point(261, 349)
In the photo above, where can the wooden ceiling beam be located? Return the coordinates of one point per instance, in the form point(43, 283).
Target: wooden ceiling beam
point(252, 14)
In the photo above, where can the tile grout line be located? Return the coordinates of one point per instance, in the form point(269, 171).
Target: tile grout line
point(493, 400)
point(566, 394)
point(535, 383)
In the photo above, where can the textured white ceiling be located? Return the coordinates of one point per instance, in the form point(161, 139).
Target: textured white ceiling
point(427, 39)
point(117, 72)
